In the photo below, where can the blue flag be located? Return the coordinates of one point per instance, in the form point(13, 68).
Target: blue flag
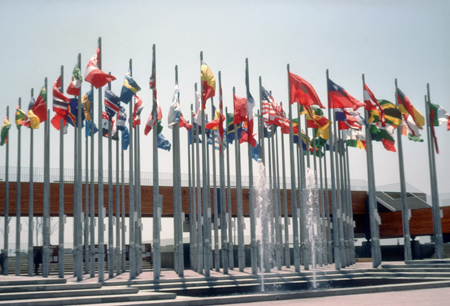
point(121, 119)
point(30, 105)
point(125, 138)
point(88, 128)
point(255, 152)
point(72, 113)
point(129, 88)
point(163, 143)
point(112, 103)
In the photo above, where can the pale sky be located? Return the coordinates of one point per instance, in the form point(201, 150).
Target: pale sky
point(385, 40)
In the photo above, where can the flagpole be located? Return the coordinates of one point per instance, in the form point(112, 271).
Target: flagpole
point(92, 192)
point(278, 202)
point(287, 251)
point(261, 125)
point(46, 204)
point(18, 199)
point(230, 212)
point(438, 243)
point(208, 199)
point(75, 201)
point(192, 199)
point(344, 201)
point(324, 215)
point(117, 249)
point(327, 212)
point(157, 206)
point(86, 204)
point(271, 235)
point(240, 213)
point(30, 206)
point(79, 187)
point(350, 213)
point(139, 199)
point(199, 199)
point(61, 190)
point(276, 208)
point(216, 208)
point(122, 209)
point(372, 193)
point(110, 200)
point(319, 208)
point(336, 234)
point(6, 224)
point(338, 196)
point(223, 205)
point(137, 219)
point(405, 213)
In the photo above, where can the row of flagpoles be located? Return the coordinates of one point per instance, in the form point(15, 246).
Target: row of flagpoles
point(381, 119)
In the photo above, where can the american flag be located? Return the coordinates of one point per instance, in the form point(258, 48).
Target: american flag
point(272, 111)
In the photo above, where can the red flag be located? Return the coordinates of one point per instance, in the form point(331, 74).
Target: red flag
point(93, 73)
point(340, 98)
point(240, 109)
point(371, 103)
point(208, 84)
point(184, 123)
point(302, 92)
point(221, 120)
point(60, 104)
point(138, 107)
point(150, 122)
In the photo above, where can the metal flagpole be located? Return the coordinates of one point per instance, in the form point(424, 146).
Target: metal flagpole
point(139, 202)
point(319, 218)
point(350, 212)
point(324, 216)
point(261, 125)
point(199, 199)
point(131, 210)
point(79, 188)
point(336, 234)
point(275, 205)
point(372, 190)
point(86, 254)
point(117, 253)
point(306, 244)
point(30, 207)
point(92, 192)
point(61, 192)
point(287, 252)
point(192, 208)
point(6, 224)
point(110, 201)
point(75, 201)
point(157, 206)
point(46, 212)
point(271, 236)
point(122, 209)
point(339, 198)
point(216, 208)
point(438, 243)
point(206, 192)
point(293, 187)
point(230, 212)
point(278, 202)
point(100, 211)
point(18, 199)
point(344, 202)
point(240, 213)
point(223, 204)
point(208, 200)
point(328, 223)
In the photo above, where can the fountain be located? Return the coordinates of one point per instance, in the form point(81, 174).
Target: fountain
point(311, 219)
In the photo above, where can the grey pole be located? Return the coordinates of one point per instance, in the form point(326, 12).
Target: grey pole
point(278, 202)
point(122, 209)
point(405, 219)
point(18, 200)
point(61, 197)
point(268, 259)
point(339, 199)
point(199, 200)
point(117, 254)
point(327, 212)
point(344, 202)
point(337, 255)
point(131, 219)
point(318, 210)
point(223, 206)
point(79, 189)
point(323, 214)
point(30, 206)
point(75, 202)
point(6, 231)
point(230, 212)
point(306, 244)
point(216, 208)
point(276, 207)
point(293, 188)
point(46, 204)
point(157, 206)
point(438, 243)
point(261, 125)
point(240, 213)
point(110, 201)
point(350, 213)
point(192, 206)
point(287, 252)
point(86, 253)
point(92, 193)
point(100, 211)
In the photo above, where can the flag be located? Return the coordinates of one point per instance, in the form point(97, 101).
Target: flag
point(20, 117)
point(354, 138)
point(214, 124)
point(208, 84)
point(88, 128)
point(163, 143)
point(39, 108)
point(94, 75)
point(410, 112)
point(129, 88)
point(112, 103)
point(197, 115)
point(138, 107)
point(152, 83)
point(72, 113)
point(385, 135)
point(74, 86)
point(105, 126)
point(316, 120)
point(230, 128)
point(5, 131)
point(302, 92)
point(125, 138)
point(285, 130)
point(340, 98)
point(371, 103)
point(32, 120)
point(150, 122)
point(31, 103)
point(255, 152)
point(349, 119)
point(240, 109)
point(86, 101)
point(221, 121)
point(272, 110)
point(250, 106)
point(121, 119)
point(184, 123)
point(60, 104)
point(174, 109)
point(304, 140)
point(440, 115)
point(392, 115)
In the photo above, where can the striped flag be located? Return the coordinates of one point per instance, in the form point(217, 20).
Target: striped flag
point(60, 105)
point(129, 88)
point(371, 103)
point(150, 122)
point(112, 103)
point(411, 116)
point(138, 107)
point(272, 110)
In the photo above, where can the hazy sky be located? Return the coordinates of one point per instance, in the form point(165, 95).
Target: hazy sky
point(385, 40)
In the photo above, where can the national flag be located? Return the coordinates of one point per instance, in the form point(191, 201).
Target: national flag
point(32, 120)
point(302, 92)
point(348, 119)
point(230, 128)
point(75, 85)
point(60, 104)
point(174, 109)
point(138, 107)
point(304, 140)
point(250, 106)
point(39, 108)
point(129, 88)
point(240, 109)
point(214, 124)
point(371, 103)
point(385, 135)
point(184, 123)
point(221, 121)
point(5, 131)
point(440, 115)
point(163, 143)
point(125, 138)
point(105, 126)
point(94, 75)
point(354, 138)
point(86, 101)
point(31, 103)
point(408, 110)
point(340, 98)
point(208, 84)
point(112, 103)
point(88, 128)
point(285, 130)
point(152, 83)
point(255, 152)
point(150, 122)
point(392, 114)
point(72, 113)
point(121, 119)
point(20, 117)
point(316, 120)
point(197, 116)
point(272, 110)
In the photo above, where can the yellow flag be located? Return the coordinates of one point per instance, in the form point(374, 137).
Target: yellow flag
point(34, 120)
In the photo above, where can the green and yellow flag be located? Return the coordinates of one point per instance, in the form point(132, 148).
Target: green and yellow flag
point(392, 114)
point(5, 130)
point(20, 117)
